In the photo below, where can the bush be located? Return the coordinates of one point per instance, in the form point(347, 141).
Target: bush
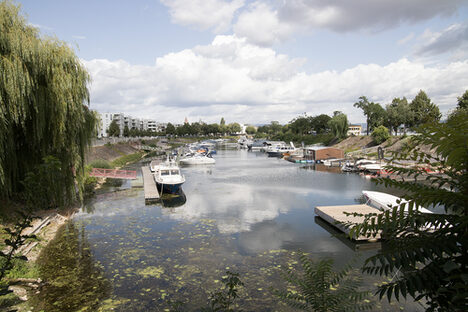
point(100, 164)
point(380, 134)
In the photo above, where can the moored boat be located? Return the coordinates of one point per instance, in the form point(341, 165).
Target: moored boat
point(384, 201)
point(197, 159)
point(168, 177)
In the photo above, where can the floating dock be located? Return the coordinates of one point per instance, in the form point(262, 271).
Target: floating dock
point(149, 185)
point(336, 214)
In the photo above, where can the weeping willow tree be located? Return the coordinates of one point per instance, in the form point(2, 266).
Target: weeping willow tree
point(43, 112)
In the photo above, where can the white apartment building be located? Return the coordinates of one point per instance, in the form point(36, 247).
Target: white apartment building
point(125, 120)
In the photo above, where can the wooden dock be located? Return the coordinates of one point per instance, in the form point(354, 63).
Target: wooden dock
point(149, 185)
point(335, 214)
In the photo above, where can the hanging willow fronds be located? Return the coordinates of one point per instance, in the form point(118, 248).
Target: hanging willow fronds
point(43, 111)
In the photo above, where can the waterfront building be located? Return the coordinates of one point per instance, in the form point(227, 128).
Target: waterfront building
point(354, 130)
point(123, 120)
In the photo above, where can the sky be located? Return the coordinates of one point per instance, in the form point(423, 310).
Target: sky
point(256, 61)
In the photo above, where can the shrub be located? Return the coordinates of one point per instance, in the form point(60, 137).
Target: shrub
point(100, 164)
point(380, 134)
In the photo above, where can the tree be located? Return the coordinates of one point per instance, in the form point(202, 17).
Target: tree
point(300, 125)
point(320, 123)
point(374, 113)
point(424, 110)
point(339, 125)
point(427, 254)
point(126, 131)
point(222, 122)
point(114, 129)
point(234, 127)
point(170, 129)
point(250, 130)
point(463, 101)
point(319, 288)
point(43, 111)
point(380, 134)
point(398, 113)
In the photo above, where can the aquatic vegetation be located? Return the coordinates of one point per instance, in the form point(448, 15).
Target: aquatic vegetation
point(73, 280)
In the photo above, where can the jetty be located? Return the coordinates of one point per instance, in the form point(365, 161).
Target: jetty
point(149, 185)
point(335, 215)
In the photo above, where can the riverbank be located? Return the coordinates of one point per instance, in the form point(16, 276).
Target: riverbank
point(24, 278)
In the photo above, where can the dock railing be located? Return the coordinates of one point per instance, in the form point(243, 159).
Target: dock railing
point(113, 173)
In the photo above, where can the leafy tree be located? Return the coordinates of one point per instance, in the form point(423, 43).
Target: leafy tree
point(380, 134)
point(170, 129)
point(126, 131)
point(114, 129)
point(427, 254)
point(43, 111)
point(339, 125)
point(398, 113)
point(222, 122)
point(424, 110)
point(300, 125)
point(374, 113)
point(319, 288)
point(463, 101)
point(234, 127)
point(320, 123)
point(250, 130)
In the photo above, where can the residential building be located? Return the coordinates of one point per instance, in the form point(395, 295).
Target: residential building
point(126, 120)
point(354, 130)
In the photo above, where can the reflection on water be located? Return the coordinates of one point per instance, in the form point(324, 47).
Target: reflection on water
point(247, 214)
point(74, 281)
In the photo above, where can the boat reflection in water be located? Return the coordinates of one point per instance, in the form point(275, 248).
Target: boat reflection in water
point(173, 200)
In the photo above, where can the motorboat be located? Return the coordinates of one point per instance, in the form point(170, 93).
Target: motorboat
point(256, 146)
point(375, 168)
point(197, 159)
point(384, 201)
point(280, 149)
point(168, 177)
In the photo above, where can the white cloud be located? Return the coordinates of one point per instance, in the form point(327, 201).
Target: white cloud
point(246, 83)
point(204, 14)
point(79, 37)
point(261, 25)
point(406, 39)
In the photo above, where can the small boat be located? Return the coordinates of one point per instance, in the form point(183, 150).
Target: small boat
point(168, 177)
point(197, 159)
point(280, 149)
point(384, 201)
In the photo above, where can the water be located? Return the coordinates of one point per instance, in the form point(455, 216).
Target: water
point(247, 213)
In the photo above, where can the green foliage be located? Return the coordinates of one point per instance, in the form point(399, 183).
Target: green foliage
point(235, 127)
point(14, 241)
point(427, 254)
point(223, 300)
point(318, 288)
point(374, 113)
point(320, 123)
point(300, 125)
point(398, 113)
point(100, 163)
point(380, 134)
point(126, 159)
point(43, 92)
point(126, 131)
point(424, 111)
point(170, 129)
point(339, 125)
point(250, 130)
point(114, 130)
point(42, 189)
point(463, 101)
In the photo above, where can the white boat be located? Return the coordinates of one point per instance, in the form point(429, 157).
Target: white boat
point(168, 177)
point(384, 201)
point(279, 149)
point(371, 167)
point(197, 159)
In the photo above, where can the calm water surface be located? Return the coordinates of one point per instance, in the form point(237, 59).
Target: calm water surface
point(247, 213)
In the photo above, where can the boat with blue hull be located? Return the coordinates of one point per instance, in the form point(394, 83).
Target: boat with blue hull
point(168, 177)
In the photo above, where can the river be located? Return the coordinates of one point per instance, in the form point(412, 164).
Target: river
point(248, 214)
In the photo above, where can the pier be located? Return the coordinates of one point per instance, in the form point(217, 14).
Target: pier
point(149, 185)
point(335, 215)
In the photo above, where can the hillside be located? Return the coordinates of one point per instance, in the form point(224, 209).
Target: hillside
point(109, 152)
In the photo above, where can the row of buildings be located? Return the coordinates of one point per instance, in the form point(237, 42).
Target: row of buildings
point(129, 121)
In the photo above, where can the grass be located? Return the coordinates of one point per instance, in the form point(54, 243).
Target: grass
point(127, 159)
